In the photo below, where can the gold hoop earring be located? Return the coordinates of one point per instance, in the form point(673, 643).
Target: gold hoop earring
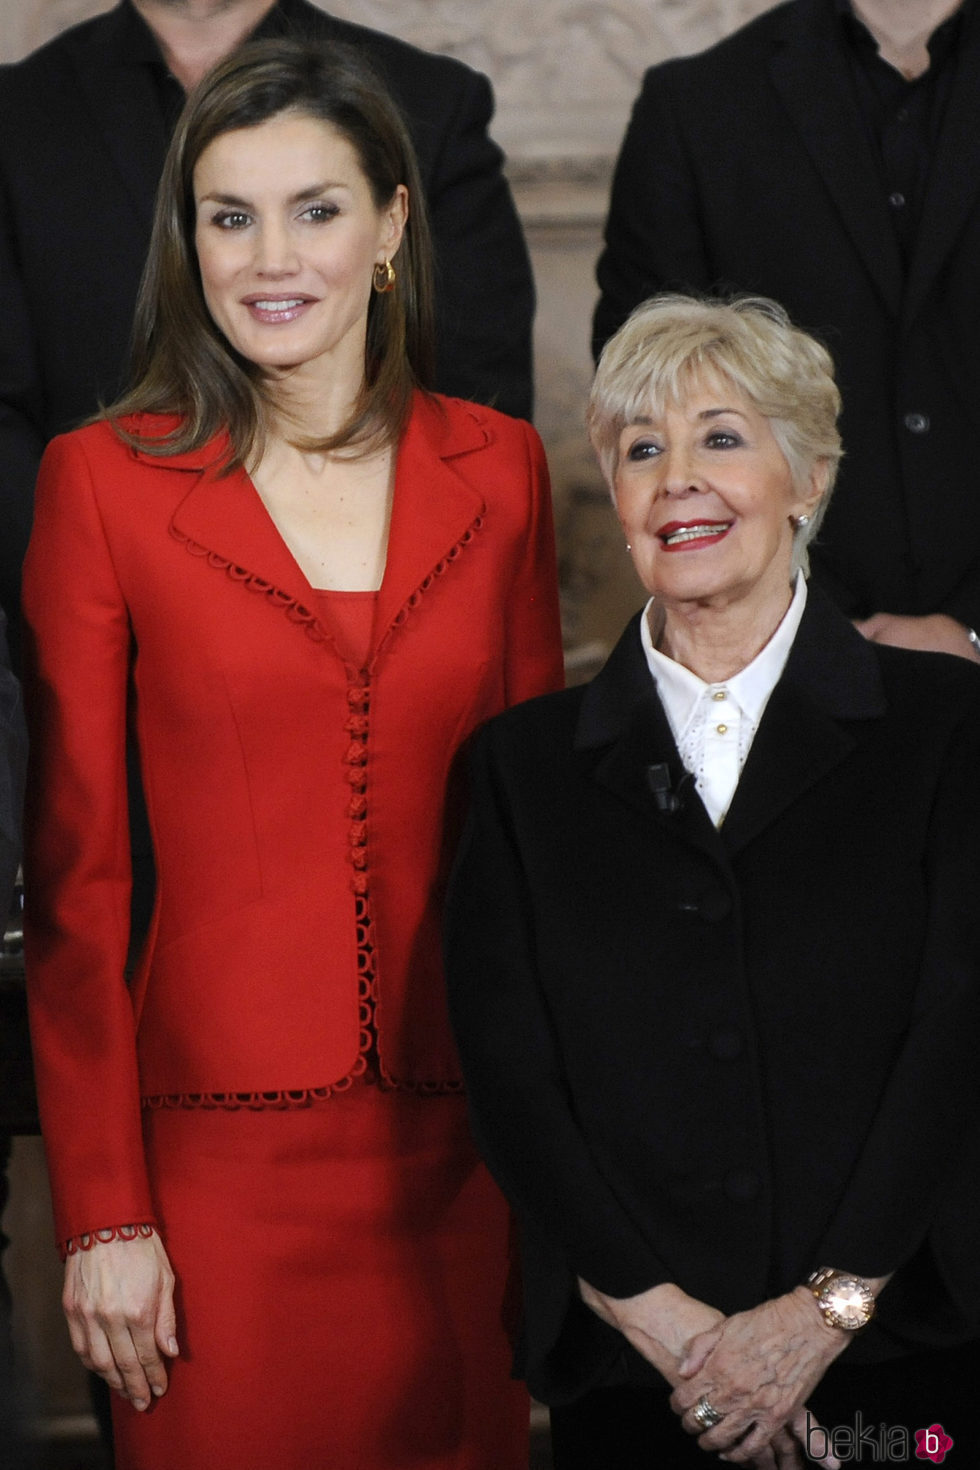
point(384, 277)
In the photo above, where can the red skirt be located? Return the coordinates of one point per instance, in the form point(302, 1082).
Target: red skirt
point(344, 1292)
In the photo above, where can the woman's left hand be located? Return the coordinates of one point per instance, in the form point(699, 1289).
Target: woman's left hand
point(757, 1368)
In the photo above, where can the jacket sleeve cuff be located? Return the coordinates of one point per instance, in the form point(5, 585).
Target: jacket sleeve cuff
point(91, 1239)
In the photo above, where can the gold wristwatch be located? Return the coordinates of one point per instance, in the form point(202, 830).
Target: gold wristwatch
point(844, 1300)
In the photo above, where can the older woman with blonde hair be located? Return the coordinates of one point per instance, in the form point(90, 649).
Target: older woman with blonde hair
point(714, 956)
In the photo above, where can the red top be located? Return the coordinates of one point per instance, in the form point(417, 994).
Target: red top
point(280, 776)
point(350, 618)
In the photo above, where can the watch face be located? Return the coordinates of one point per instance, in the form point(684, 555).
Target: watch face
point(847, 1303)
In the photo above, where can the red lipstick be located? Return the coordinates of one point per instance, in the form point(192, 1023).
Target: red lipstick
point(692, 535)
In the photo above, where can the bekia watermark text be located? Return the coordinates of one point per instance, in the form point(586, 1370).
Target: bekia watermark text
point(876, 1444)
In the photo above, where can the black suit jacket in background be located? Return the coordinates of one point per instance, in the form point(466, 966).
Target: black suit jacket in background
point(13, 760)
point(81, 150)
point(18, 1109)
point(727, 1057)
point(749, 168)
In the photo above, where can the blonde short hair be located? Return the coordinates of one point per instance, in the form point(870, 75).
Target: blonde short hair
point(672, 342)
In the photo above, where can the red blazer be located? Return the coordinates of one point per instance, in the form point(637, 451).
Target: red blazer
point(280, 780)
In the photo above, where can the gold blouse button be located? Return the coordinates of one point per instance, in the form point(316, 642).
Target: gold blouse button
point(722, 729)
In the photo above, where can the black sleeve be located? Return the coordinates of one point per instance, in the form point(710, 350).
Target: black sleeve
point(523, 1117)
point(484, 287)
point(21, 441)
point(654, 239)
point(964, 605)
point(13, 758)
point(930, 1109)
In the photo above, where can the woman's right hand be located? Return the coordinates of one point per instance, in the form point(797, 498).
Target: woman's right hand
point(757, 1369)
point(119, 1301)
point(661, 1324)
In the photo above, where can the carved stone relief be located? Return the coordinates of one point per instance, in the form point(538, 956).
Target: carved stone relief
point(564, 71)
point(27, 24)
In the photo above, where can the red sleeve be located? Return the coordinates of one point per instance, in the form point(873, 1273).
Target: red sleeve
point(78, 864)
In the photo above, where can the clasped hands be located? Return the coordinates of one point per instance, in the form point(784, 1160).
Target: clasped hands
point(756, 1368)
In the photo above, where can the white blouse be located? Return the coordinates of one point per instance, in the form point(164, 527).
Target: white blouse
point(714, 724)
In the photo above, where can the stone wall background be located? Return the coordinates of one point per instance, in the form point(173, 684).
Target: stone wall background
point(565, 73)
point(564, 70)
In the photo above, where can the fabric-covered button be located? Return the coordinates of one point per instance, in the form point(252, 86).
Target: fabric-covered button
point(725, 1044)
point(715, 905)
point(742, 1184)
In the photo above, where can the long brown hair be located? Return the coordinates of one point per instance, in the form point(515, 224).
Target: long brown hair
point(181, 363)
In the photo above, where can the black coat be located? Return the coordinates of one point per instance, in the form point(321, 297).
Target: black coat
point(82, 144)
point(749, 168)
point(728, 1057)
point(13, 761)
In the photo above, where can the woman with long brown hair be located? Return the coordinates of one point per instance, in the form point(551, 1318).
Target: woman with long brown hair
point(301, 580)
